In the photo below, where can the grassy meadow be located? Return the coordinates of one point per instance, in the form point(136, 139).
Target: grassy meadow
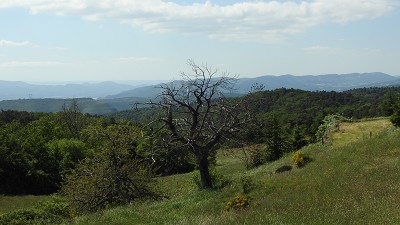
point(355, 179)
point(9, 203)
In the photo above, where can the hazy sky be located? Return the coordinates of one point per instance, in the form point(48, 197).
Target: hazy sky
point(55, 40)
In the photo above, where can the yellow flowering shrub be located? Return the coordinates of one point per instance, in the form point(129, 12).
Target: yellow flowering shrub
point(238, 202)
point(298, 158)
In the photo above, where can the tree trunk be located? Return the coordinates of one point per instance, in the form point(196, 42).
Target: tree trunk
point(205, 177)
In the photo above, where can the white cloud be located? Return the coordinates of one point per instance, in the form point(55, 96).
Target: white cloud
point(21, 64)
point(7, 43)
point(245, 21)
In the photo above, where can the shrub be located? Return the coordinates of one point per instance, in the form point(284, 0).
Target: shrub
point(239, 202)
point(253, 156)
point(395, 119)
point(283, 169)
point(247, 184)
point(115, 176)
point(107, 180)
point(298, 158)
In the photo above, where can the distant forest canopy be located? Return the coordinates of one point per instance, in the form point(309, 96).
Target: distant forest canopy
point(122, 107)
point(304, 109)
point(38, 150)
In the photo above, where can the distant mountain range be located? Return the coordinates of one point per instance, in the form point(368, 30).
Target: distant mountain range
point(20, 90)
point(107, 97)
point(329, 82)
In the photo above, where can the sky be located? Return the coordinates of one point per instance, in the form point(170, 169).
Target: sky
point(99, 40)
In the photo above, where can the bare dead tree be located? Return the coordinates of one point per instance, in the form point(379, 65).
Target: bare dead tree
point(197, 114)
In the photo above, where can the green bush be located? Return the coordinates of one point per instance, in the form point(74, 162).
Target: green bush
point(395, 119)
point(107, 180)
point(237, 203)
point(115, 176)
point(254, 156)
point(247, 184)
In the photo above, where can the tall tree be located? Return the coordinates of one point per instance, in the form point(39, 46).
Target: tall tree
point(197, 115)
point(74, 120)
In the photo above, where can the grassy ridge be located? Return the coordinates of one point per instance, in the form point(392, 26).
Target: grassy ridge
point(354, 181)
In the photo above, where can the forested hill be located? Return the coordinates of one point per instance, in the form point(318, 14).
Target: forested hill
point(363, 102)
point(86, 105)
point(303, 110)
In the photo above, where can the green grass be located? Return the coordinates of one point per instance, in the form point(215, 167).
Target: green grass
point(354, 181)
point(9, 203)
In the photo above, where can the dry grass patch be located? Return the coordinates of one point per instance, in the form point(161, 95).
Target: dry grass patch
point(350, 132)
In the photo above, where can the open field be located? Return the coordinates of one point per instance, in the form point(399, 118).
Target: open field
point(353, 131)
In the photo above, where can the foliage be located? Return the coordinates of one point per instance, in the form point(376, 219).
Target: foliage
point(117, 175)
point(395, 119)
point(256, 156)
point(247, 184)
point(329, 124)
point(298, 158)
point(237, 203)
point(67, 153)
point(35, 156)
point(276, 143)
point(167, 160)
point(8, 116)
point(52, 211)
point(395, 110)
point(297, 139)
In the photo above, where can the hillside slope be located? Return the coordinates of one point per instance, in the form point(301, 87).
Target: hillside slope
point(351, 182)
